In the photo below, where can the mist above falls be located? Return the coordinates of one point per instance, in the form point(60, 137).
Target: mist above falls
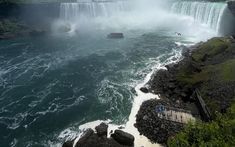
point(148, 15)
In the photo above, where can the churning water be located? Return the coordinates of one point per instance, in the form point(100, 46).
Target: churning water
point(49, 86)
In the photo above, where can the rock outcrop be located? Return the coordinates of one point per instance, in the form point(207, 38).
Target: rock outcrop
point(68, 144)
point(99, 139)
point(154, 128)
point(123, 137)
point(102, 129)
point(207, 67)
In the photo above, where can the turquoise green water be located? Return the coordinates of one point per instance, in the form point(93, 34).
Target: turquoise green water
point(49, 84)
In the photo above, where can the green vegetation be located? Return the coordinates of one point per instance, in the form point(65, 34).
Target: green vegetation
point(224, 72)
point(193, 73)
point(218, 133)
point(227, 70)
point(210, 49)
point(212, 71)
point(207, 54)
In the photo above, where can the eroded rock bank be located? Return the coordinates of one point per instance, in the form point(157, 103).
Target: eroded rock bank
point(98, 138)
point(208, 68)
point(22, 19)
point(150, 124)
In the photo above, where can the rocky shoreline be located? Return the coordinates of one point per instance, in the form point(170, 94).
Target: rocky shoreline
point(208, 67)
point(98, 138)
point(152, 126)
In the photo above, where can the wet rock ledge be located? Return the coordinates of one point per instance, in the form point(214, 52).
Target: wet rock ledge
point(208, 68)
point(99, 138)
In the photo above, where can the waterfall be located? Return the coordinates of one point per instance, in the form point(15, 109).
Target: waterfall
point(207, 13)
point(91, 9)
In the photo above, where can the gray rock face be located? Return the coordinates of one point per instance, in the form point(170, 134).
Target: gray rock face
point(123, 137)
point(102, 129)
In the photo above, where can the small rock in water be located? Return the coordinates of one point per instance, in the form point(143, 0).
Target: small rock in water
point(144, 90)
point(121, 127)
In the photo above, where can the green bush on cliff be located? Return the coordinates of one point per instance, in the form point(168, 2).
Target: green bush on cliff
point(218, 133)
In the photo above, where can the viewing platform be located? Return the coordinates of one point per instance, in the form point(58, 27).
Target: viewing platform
point(174, 114)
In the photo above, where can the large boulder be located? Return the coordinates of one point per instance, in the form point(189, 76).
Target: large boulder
point(68, 143)
point(102, 129)
point(84, 138)
point(123, 137)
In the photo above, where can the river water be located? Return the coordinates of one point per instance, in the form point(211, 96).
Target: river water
point(51, 85)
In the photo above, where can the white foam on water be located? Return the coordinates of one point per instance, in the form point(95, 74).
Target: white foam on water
point(140, 140)
point(184, 44)
point(141, 19)
point(139, 99)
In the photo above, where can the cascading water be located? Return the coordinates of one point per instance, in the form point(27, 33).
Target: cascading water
point(207, 13)
point(90, 9)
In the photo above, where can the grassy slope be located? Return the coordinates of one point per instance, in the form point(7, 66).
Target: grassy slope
point(216, 63)
point(223, 70)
